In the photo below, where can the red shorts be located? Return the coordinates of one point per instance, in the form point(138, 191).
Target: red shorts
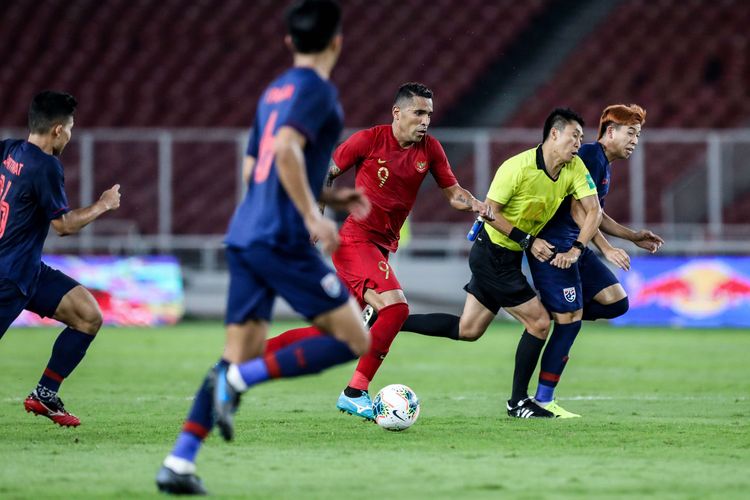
point(361, 265)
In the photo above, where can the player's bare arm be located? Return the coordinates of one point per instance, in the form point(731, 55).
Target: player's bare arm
point(75, 220)
point(462, 199)
point(643, 238)
point(539, 248)
point(346, 199)
point(247, 168)
point(333, 172)
point(290, 162)
point(615, 255)
point(592, 219)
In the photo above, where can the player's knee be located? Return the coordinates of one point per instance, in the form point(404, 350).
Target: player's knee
point(89, 318)
point(470, 333)
point(539, 327)
point(470, 329)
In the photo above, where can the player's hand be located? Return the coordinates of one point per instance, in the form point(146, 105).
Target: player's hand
point(111, 198)
point(618, 257)
point(324, 231)
point(347, 199)
point(648, 240)
point(483, 209)
point(353, 201)
point(567, 259)
point(541, 250)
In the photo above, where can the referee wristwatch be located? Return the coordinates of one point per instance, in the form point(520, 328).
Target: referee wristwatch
point(526, 242)
point(580, 246)
point(523, 238)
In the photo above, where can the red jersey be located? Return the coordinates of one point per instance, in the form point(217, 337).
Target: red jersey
point(390, 176)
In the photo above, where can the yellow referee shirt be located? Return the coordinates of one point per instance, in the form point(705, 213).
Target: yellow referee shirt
point(530, 196)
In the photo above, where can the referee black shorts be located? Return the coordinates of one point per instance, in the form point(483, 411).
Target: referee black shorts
point(496, 277)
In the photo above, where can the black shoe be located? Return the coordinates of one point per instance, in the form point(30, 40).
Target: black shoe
point(527, 408)
point(225, 401)
point(168, 481)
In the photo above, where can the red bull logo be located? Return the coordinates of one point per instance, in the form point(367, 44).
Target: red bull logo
point(698, 289)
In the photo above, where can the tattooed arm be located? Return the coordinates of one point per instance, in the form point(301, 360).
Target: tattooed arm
point(333, 172)
point(463, 200)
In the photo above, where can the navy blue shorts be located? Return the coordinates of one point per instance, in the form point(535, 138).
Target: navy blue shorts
point(259, 273)
point(50, 287)
point(566, 290)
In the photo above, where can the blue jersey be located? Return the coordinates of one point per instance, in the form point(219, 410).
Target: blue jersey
point(32, 193)
point(301, 99)
point(561, 230)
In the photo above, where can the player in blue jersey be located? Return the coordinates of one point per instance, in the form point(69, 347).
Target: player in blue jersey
point(32, 197)
point(297, 125)
point(587, 290)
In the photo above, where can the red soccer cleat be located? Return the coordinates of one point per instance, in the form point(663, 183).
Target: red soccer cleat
point(51, 408)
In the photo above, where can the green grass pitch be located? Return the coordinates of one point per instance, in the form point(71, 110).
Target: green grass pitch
point(665, 415)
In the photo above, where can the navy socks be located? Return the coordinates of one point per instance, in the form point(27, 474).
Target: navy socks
point(67, 352)
point(555, 358)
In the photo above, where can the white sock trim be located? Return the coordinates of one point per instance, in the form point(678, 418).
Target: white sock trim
point(234, 377)
point(179, 465)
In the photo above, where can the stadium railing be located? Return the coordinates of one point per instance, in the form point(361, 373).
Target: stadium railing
point(161, 184)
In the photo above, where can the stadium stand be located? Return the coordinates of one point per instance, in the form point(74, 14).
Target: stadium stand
point(203, 64)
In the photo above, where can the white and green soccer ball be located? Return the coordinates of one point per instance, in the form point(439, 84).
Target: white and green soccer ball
point(396, 407)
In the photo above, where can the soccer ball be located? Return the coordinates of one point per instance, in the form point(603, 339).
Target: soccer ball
point(396, 407)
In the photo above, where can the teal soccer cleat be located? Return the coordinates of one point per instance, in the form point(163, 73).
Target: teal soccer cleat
point(359, 407)
point(225, 402)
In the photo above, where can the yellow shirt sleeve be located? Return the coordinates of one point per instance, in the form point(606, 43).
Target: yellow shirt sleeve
point(583, 184)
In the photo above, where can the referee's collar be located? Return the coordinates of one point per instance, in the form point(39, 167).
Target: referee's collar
point(540, 163)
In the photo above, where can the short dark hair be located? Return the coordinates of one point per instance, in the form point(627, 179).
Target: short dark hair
point(411, 89)
point(558, 119)
point(312, 24)
point(50, 108)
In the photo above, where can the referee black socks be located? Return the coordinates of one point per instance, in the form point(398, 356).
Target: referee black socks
point(527, 356)
point(433, 325)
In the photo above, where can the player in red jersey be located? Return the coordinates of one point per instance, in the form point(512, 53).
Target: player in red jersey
point(391, 162)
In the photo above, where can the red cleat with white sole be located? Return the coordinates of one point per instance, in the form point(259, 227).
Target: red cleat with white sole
point(51, 408)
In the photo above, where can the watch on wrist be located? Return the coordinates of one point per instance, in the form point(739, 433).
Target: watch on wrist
point(523, 238)
point(526, 242)
point(580, 246)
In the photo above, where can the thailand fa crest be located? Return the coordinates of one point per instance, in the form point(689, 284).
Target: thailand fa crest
point(570, 294)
